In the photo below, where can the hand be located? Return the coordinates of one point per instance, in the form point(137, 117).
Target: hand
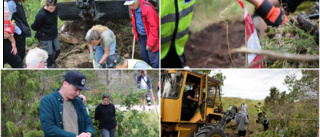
point(196, 100)
point(14, 49)
point(14, 25)
point(88, 134)
point(6, 35)
point(98, 65)
point(148, 48)
point(132, 31)
point(91, 56)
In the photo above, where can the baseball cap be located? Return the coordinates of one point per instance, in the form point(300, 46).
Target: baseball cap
point(113, 60)
point(76, 79)
point(128, 2)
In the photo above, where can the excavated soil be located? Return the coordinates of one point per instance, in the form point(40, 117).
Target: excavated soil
point(209, 48)
point(74, 51)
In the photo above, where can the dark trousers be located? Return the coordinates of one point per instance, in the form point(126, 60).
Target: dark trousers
point(13, 60)
point(21, 45)
point(172, 60)
point(147, 55)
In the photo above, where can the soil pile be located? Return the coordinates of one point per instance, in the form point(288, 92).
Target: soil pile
point(209, 48)
point(74, 54)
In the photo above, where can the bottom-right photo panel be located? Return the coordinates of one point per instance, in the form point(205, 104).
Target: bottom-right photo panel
point(239, 102)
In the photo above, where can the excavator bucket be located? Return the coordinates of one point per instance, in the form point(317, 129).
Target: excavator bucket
point(93, 10)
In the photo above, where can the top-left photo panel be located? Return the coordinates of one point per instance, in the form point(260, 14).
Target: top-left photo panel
point(91, 34)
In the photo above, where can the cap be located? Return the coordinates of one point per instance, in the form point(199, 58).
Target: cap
point(259, 103)
point(76, 79)
point(128, 2)
point(113, 60)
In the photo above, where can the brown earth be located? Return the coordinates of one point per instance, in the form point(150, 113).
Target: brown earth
point(209, 48)
point(75, 53)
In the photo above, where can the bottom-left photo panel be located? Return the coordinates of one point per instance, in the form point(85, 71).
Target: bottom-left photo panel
point(79, 103)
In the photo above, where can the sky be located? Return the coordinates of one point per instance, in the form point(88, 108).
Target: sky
point(254, 83)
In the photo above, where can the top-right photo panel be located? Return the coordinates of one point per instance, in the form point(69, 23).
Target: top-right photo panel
point(239, 34)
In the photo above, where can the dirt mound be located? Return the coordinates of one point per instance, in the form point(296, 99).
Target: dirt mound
point(72, 37)
point(209, 48)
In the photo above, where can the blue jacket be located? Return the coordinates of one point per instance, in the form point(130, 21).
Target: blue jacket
point(149, 85)
point(51, 110)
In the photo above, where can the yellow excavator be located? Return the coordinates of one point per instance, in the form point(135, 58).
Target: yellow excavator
point(208, 120)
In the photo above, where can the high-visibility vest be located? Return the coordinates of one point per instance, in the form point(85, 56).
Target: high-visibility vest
point(133, 62)
point(170, 10)
point(260, 109)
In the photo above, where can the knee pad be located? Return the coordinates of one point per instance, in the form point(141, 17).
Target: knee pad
point(272, 16)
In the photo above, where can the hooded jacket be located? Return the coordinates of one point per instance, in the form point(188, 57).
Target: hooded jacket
point(241, 121)
point(150, 20)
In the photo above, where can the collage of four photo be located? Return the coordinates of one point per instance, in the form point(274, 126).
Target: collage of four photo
point(149, 68)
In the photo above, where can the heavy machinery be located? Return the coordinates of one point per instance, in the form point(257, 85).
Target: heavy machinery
point(88, 10)
point(208, 120)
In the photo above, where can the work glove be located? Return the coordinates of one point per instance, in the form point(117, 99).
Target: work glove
point(98, 65)
point(91, 57)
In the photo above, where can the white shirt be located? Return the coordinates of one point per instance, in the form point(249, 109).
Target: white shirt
point(244, 107)
point(143, 84)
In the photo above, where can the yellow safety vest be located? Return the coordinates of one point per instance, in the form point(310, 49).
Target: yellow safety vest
point(260, 109)
point(133, 62)
point(170, 10)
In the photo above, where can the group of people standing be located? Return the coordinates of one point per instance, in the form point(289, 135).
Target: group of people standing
point(63, 112)
point(47, 33)
point(101, 40)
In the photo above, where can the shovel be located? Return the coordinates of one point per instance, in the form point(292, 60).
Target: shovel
point(133, 43)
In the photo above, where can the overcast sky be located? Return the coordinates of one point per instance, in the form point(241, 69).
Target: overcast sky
point(254, 83)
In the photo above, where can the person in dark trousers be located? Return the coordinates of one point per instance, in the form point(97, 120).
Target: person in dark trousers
point(21, 30)
point(189, 103)
point(105, 113)
point(47, 32)
point(10, 55)
point(145, 25)
point(144, 82)
point(241, 121)
point(62, 113)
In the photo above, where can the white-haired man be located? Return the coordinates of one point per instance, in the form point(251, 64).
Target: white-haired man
point(36, 58)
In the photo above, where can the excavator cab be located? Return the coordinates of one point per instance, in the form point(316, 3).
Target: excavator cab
point(176, 120)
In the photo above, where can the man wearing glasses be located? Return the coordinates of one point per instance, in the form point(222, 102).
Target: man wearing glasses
point(62, 113)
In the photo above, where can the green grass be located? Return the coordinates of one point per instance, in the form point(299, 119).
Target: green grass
point(207, 12)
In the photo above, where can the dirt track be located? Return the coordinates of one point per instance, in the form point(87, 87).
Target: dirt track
point(209, 49)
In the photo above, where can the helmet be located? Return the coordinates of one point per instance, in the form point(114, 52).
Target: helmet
point(113, 60)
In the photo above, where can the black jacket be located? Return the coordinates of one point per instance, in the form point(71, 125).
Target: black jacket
point(46, 25)
point(106, 114)
point(21, 20)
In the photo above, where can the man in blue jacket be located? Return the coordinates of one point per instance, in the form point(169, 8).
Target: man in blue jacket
point(62, 114)
point(144, 82)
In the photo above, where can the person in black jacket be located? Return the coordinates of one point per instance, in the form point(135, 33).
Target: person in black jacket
point(106, 115)
point(21, 30)
point(47, 32)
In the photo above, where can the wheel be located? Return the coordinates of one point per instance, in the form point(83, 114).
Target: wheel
point(211, 130)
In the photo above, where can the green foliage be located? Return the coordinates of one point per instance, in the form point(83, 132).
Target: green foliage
point(295, 113)
point(289, 38)
point(34, 133)
point(11, 128)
